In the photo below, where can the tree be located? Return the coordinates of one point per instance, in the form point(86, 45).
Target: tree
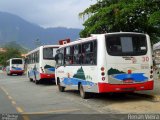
point(123, 15)
point(10, 53)
point(15, 45)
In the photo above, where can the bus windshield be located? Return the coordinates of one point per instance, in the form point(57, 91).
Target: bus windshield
point(126, 45)
point(49, 53)
point(16, 61)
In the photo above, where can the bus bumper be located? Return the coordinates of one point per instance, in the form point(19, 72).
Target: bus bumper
point(106, 87)
point(16, 71)
point(47, 76)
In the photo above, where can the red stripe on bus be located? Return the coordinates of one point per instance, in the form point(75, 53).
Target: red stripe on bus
point(16, 71)
point(106, 87)
point(46, 76)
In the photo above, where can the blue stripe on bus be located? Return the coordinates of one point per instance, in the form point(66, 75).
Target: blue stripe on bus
point(137, 77)
point(75, 81)
point(51, 69)
point(16, 68)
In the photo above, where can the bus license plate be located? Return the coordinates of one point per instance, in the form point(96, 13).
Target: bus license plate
point(129, 89)
point(128, 81)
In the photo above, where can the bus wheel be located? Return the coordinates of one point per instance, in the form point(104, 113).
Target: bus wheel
point(61, 88)
point(83, 94)
point(36, 82)
point(30, 80)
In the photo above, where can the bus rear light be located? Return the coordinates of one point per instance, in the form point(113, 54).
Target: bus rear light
point(117, 89)
point(102, 68)
point(151, 71)
point(151, 76)
point(151, 67)
point(129, 71)
point(103, 78)
point(102, 73)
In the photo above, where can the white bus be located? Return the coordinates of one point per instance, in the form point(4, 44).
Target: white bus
point(40, 63)
point(15, 66)
point(111, 62)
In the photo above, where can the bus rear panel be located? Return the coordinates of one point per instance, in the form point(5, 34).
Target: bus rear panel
point(41, 63)
point(16, 66)
point(129, 63)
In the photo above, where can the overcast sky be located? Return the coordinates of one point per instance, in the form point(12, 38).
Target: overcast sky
point(48, 13)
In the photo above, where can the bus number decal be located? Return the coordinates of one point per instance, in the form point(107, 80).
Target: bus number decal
point(145, 59)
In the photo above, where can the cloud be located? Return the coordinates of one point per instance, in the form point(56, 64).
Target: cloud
point(48, 13)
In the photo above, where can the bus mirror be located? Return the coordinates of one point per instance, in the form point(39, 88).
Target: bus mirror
point(56, 57)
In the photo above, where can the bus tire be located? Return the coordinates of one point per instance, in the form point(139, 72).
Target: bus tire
point(30, 79)
point(36, 82)
point(61, 88)
point(83, 94)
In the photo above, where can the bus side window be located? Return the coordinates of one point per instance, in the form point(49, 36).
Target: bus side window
point(88, 53)
point(68, 56)
point(32, 57)
point(37, 57)
point(76, 54)
point(95, 52)
point(26, 60)
point(59, 59)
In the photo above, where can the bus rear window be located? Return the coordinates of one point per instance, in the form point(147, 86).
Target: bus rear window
point(17, 61)
point(126, 45)
point(49, 53)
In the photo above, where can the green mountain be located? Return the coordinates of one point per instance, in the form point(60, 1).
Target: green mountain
point(80, 74)
point(114, 71)
point(14, 28)
point(15, 45)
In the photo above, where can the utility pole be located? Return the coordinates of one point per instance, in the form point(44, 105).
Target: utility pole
point(37, 42)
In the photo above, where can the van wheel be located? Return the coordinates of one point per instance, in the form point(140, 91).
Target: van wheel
point(83, 94)
point(61, 88)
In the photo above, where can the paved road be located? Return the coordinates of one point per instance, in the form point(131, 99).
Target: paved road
point(156, 91)
point(19, 95)
point(4, 101)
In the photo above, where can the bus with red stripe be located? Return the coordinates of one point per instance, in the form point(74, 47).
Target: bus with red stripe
point(40, 63)
point(102, 63)
point(15, 66)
